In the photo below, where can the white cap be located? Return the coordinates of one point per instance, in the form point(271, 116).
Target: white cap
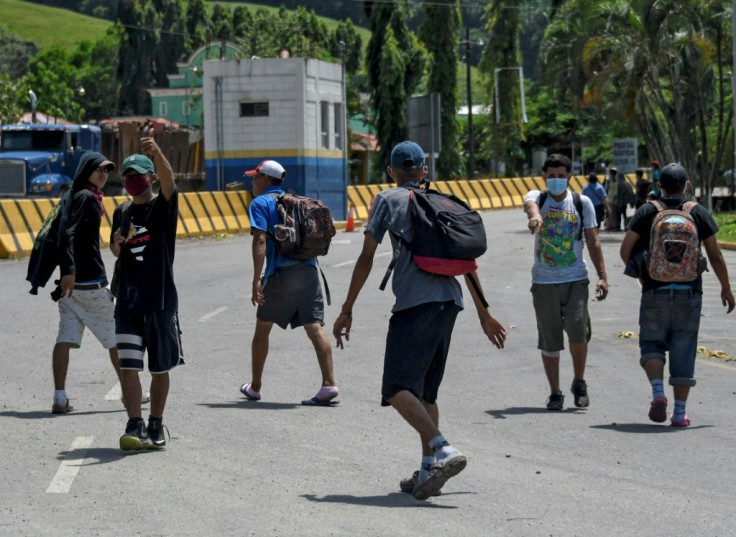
point(269, 167)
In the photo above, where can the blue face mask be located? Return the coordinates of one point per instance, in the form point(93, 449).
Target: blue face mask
point(556, 185)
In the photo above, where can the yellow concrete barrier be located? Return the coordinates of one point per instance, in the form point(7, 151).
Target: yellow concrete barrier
point(200, 213)
point(207, 213)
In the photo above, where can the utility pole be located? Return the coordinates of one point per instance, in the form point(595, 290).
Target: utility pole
point(471, 140)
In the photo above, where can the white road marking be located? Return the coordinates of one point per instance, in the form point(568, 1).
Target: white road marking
point(115, 393)
point(346, 263)
point(211, 314)
point(62, 482)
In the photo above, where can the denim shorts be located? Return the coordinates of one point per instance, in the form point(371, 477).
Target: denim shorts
point(669, 320)
point(417, 344)
point(558, 307)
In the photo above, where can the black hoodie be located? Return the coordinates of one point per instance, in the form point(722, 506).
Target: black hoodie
point(79, 242)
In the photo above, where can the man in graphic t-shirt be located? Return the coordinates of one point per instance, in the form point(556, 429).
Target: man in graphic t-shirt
point(560, 276)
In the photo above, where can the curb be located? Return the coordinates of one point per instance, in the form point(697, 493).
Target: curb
point(727, 245)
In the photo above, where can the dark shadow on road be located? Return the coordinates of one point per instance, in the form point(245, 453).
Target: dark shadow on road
point(255, 405)
point(394, 499)
point(100, 455)
point(646, 428)
point(520, 410)
point(41, 414)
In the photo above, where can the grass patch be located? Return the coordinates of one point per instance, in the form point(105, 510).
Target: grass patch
point(727, 226)
point(49, 26)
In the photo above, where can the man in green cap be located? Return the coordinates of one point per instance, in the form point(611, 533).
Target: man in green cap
point(143, 240)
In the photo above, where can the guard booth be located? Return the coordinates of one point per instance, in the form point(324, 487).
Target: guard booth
point(291, 110)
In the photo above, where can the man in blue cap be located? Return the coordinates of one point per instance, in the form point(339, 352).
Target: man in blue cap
point(420, 328)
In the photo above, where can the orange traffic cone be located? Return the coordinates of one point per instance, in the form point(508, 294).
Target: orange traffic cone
point(350, 226)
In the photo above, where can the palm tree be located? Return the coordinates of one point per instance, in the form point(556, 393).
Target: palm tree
point(662, 60)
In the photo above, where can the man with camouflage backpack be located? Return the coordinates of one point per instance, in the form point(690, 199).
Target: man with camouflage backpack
point(662, 246)
point(285, 289)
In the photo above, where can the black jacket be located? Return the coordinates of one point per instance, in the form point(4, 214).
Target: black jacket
point(79, 241)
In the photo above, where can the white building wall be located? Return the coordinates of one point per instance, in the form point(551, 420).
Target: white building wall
point(293, 88)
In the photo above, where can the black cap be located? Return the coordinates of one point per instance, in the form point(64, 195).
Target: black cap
point(673, 177)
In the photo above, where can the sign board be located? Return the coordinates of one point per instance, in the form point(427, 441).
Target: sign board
point(625, 158)
point(425, 126)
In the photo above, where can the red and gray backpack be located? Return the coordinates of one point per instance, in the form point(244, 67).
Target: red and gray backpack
point(674, 246)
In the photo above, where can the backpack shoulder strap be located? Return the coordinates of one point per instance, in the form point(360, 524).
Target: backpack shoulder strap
point(658, 205)
point(578, 202)
point(688, 206)
point(542, 199)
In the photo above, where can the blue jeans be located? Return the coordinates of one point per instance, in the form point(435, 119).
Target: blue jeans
point(669, 320)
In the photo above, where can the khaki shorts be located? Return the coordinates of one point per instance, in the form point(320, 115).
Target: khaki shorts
point(558, 307)
point(94, 309)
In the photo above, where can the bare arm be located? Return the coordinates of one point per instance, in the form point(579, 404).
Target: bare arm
point(596, 256)
point(258, 250)
point(531, 208)
point(361, 272)
point(719, 268)
point(493, 329)
point(164, 172)
point(627, 245)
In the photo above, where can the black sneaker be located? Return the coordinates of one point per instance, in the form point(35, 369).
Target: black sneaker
point(156, 430)
point(580, 390)
point(136, 436)
point(555, 401)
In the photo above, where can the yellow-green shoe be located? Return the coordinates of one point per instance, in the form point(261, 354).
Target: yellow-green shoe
point(136, 436)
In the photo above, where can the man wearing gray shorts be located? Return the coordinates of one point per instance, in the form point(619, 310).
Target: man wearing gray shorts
point(560, 276)
point(287, 292)
point(85, 299)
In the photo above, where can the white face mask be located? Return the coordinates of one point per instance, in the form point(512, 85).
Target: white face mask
point(556, 185)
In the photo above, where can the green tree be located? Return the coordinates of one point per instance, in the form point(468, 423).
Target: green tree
point(395, 64)
point(15, 55)
point(171, 40)
point(440, 35)
point(220, 22)
point(14, 100)
point(196, 25)
point(502, 60)
point(665, 63)
point(346, 44)
point(135, 61)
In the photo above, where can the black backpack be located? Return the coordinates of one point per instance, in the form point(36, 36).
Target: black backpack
point(45, 254)
point(448, 236)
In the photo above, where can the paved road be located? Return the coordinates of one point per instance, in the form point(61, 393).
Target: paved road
point(276, 468)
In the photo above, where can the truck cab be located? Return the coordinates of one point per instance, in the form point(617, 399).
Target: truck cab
point(40, 159)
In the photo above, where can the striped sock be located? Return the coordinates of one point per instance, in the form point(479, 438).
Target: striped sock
point(679, 413)
point(427, 462)
point(657, 387)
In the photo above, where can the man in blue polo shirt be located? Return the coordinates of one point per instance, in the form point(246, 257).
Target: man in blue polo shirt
point(287, 293)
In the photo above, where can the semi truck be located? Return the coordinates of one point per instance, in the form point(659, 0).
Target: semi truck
point(39, 159)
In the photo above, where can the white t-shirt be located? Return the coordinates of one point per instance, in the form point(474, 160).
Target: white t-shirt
point(558, 255)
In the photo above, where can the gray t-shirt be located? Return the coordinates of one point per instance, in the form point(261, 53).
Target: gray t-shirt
point(411, 285)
